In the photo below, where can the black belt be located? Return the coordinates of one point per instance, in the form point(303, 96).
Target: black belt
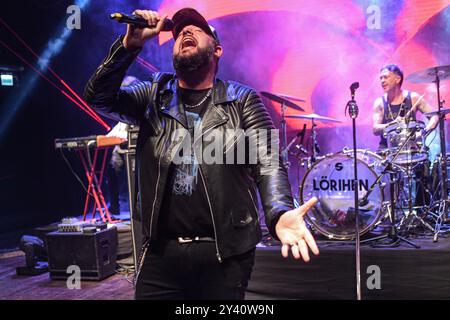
point(194, 239)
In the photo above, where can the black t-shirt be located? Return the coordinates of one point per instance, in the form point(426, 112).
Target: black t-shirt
point(185, 211)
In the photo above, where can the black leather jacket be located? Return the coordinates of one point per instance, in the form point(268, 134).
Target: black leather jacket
point(231, 190)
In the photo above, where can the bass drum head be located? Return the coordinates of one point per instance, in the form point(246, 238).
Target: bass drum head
point(331, 181)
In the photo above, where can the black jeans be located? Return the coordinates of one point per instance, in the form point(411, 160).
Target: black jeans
point(174, 271)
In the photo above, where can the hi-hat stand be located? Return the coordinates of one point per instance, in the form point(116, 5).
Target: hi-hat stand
point(389, 168)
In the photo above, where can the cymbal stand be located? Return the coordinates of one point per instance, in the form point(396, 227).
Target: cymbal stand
point(314, 143)
point(284, 148)
point(441, 212)
point(439, 208)
point(444, 195)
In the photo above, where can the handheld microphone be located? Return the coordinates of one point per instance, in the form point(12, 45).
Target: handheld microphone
point(138, 21)
point(351, 105)
point(354, 86)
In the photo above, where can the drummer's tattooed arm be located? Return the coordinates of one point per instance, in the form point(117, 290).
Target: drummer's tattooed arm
point(424, 107)
point(378, 112)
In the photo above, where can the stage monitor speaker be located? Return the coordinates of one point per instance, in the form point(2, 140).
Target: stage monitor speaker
point(94, 253)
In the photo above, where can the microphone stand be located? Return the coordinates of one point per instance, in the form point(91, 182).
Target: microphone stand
point(353, 113)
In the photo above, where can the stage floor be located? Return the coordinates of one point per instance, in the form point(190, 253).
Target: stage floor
point(13, 287)
point(405, 273)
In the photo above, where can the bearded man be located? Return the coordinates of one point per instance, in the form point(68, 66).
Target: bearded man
point(200, 219)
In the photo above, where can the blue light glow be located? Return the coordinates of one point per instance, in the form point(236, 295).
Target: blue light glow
point(13, 103)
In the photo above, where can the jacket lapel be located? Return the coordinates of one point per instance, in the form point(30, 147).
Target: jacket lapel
point(215, 114)
point(171, 104)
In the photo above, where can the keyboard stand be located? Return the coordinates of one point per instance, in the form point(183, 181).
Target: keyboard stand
point(94, 177)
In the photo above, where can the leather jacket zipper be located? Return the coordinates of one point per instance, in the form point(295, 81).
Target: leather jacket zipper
point(214, 125)
point(206, 190)
point(156, 196)
point(107, 61)
point(140, 261)
point(212, 217)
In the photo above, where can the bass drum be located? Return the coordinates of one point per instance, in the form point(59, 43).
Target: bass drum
point(331, 181)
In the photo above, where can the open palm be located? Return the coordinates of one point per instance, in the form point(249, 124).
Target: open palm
point(293, 233)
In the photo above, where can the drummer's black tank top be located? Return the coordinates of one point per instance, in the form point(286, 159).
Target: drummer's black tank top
point(392, 111)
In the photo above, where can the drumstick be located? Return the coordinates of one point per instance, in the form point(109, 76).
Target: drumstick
point(412, 108)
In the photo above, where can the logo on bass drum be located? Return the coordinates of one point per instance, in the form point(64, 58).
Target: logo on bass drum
point(325, 184)
point(339, 166)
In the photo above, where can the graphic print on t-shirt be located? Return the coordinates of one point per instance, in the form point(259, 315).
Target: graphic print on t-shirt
point(185, 175)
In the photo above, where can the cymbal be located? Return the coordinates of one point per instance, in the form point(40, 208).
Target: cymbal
point(282, 99)
point(433, 113)
point(314, 116)
point(291, 97)
point(429, 75)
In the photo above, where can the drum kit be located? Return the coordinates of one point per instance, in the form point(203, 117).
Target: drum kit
point(395, 187)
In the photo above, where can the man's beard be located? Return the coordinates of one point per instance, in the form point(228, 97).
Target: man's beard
point(193, 62)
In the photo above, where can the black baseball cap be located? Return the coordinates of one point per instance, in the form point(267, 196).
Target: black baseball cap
point(187, 16)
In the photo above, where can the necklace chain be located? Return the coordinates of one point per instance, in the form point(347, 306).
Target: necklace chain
point(201, 101)
point(391, 115)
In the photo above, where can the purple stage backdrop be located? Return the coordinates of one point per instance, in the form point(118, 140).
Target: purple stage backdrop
point(314, 50)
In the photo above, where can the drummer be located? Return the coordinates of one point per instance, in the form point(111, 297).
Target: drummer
point(396, 104)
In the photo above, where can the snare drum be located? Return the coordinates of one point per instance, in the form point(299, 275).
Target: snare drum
point(331, 181)
point(414, 151)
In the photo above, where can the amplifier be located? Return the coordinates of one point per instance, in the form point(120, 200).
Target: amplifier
point(136, 225)
point(94, 253)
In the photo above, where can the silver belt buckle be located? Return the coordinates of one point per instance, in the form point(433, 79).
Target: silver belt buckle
point(185, 240)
